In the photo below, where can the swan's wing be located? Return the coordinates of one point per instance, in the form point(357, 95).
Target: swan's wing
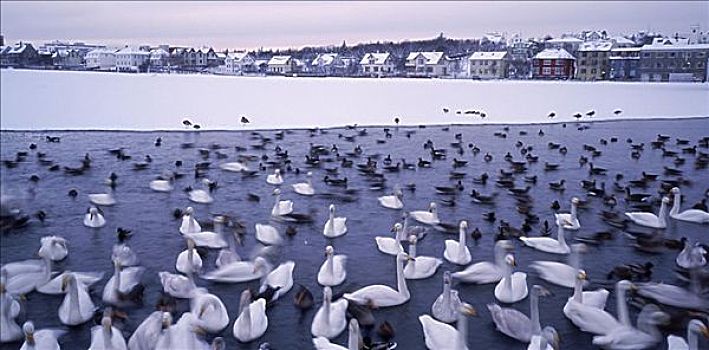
point(239, 271)
point(388, 245)
point(281, 276)
point(555, 272)
point(482, 272)
point(322, 343)
point(19, 267)
point(676, 343)
point(130, 277)
point(596, 298)
point(340, 266)
point(625, 338)
point(438, 335)
point(590, 319)
point(146, 335)
point(641, 216)
point(377, 294)
point(259, 320)
point(511, 322)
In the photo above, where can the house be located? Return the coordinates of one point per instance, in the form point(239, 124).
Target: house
point(282, 65)
point(20, 54)
point(488, 65)
point(593, 61)
point(553, 64)
point(377, 64)
point(623, 63)
point(569, 43)
point(101, 59)
point(426, 64)
point(621, 41)
point(81, 47)
point(131, 59)
point(519, 56)
point(329, 64)
point(240, 62)
point(668, 59)
point(159, 58)
point(67, 59)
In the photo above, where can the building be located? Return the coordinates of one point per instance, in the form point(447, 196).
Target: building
point(19, 55)
point(101, 59)
point(621, 41)
point(377, 64)
point(159, 58)
point(330, 64)
point(569, 43)
point(623, 63)
point(81, 47)
point(673, 60)
point(488, 65)
point(241, 62)
point(282, 65)
point(67, 59)
point(592, 58)
point(426, 64)
point(130, 59)
point(553, 64)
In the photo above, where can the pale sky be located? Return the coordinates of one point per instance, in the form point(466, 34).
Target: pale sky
point(295, 24)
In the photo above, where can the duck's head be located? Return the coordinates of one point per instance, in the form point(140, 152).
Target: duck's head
point(329, 250)
point(28, 329)
point(467, 310)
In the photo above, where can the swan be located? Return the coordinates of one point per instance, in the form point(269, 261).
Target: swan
point(200, 196)
point(235, 167)
point(691, 256)
point(672, 295)
point(445, 307)
point(408, 230)
point(124, 255)
point(420, 267)
point(569, 221)
point(280, 278)
point(103, 199)
point(228, 254)
point(189, 223)
point(268, 235)
point(106, 337)
point(429, 217)
point(188, 261)
point(239, 271)
point(275, 178)
point(690, 215)
point(456, 251)
point(209, 311)
point(161, 185)
point(384, 296)
point(43, 339)
point(9, 310)
point(513, 286)
point(94, 218)
point(145, 337)
point(53, 247)
point(123, 281)
point(281, 207)
point(486, 272)
point(252, 320)
point(547, 340)
point(23, 277)
point(335, 226)
point(322, 343)
point(54, 286)
point(329, 320)
point(649, 219)
point(515, 324)
point(441, 336)
point(590, 317)
point(332, 271)
point(548, 244)
point(561, 274)
point(628, 337)
point(177, 286)
point(694, 328)
point(77, 307)
point(388, 245)
point(214, 240)
point(392, 201)
point(182, 334)
point(305, 188)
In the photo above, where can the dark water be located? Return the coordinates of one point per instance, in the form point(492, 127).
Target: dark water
point(157, 240)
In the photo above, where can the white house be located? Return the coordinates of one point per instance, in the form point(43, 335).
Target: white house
point(130, 59)
point(240, 62)
point(67, 58)
point(101, 59)
point(377, 64)
point(487, 65)
point(281, 64)
point(429, 64)
point(159, 57)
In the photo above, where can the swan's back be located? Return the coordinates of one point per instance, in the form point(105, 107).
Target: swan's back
point(380, 295)
point(438, 335)
point(146, 335)
point(590, 319)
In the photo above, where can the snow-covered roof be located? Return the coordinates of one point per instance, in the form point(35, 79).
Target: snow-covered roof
point(554, 54)
point(497, 55)
point(625, 49)
point(279, 60)
point(378, 58)
point(132, 51)
point(494, 37)
point(18, 48)
point(158, 53)
point(100, 51)
point(431, 57)
point(671, 47)
point(221, 55)
point(621, 40)
point(324, 59)
point(238, 56)
point(565, 40)
point(596, 46)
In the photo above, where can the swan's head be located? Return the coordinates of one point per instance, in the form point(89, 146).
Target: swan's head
point(397, 227)
point(219, 219)
point(463, 225)
point(699, 327)
point(329, 250)
point(332, 209)
point(510, 260)
point(106, 324)
point(277, 192)
point(575, 200)
point(665, 200)
point(582, 275)
point(413, 239)
point(398, 193)
point(675, 190)
point(218, 344)
point(625, 285)
point(166, 320)
point(28, 329)
point(327, 293)
point(467, 310)
point(541, 291)
point(432, 207)
point(505, 244)
point(403, 257)
point(260, 265)
point(93, 211)
point(654, 315)
point(551, 336)
point(189, 211)
point(278, 172)
point(245, 297)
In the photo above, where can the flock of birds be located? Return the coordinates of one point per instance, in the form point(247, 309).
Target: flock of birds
point(224, 233)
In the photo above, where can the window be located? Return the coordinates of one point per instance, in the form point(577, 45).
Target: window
point(699, 54)
point(546, 70)
point(583, 71)
point(671, 54)
point(658, 65)
point(429, 69)
point(594, 54)
point(366, 69)
point(646, 54)
point(660, 55)
point(546, 62)
point(376, 69)
point(593, 71)
point(700, 64)
point(583, 54)
point(583, 62)
point(558, 71)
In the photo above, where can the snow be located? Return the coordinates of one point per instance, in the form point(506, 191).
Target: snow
point(279, 60)
point(498, 55)
point(89, 100)
point(596, 46)
point(432, 58)
point(554, 54)
point(378, 58)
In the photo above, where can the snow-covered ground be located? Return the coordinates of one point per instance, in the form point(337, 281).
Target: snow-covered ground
point(86, 100)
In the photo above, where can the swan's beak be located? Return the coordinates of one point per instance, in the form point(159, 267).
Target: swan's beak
point(29, 338)
point(705, 331)
point(555, 341)
point(543, 292)
point(409, 258)
point(199, 330)
point(468, 310)
point(393, 229)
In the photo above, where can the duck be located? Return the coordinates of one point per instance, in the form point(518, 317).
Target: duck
point(628, 337)
point(305, 188)
point(388, 245)
point(428, 217)
point(485, 272)
point(189, 223)
point(94, 218)
point(353, 342)
point(334, 226)
point(53, 247)
point(105, 337)
point(691, 256)
point(569, 221)
point(329, 320)
point(145, 337)
point(420, 267)
point(123, 285)
point(209, 310)
point(392, 201)
point(77, 306)
point(188, 261)
point(445, 307)
point(240, 271)
point(589, 317)
point(457, 252)
point(280, 279)
point(268, 234)
point(695, 328)
point(515, 324)
point(9, 310)
point(209, 239)
point(649, 219)
point(378, 295)
point(303, 298)
point(252, 321)
point(43, 339)
point(513, 286)
point(281, 207)
point(332, 272)
point(102, 199)
point(275, 178)
point(689, 215)
point(441, 336)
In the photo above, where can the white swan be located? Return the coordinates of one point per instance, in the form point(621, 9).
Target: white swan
point(332, 271)
point(200, 196)
point(94, 218)
point(275, 178)
point(628, 337)
point(145, 337)
point(252, 321)
point(513, 286)
point(53, 247)
point(77, 307)
point(176, 285)
point(569, 221)
point(124, 255)
point(558, 273)
point(210, 311)
point(441, 336)
point(547, 340)
point(691, 256)
point(43, 339)
point(9, 310)
point(694, 328)
point(690, 215)
point(429, 217)
point(122, 282)
point(329, 320)
point(103, 199)
point(209, 239)
point(456, 251)
point(240, 271)
point(23, 277)
point(188, 261)
point(268, 235)
point(160, 185)
point(281, 207)
point(189, 223)
point(182, 334)
point(334, 226)
point(445, 307)
point(420, 267)
point(392, 201)
point(384, 296)
point(235, 167)
point(322, 343)
point(305, 188)
point(591, 318)
point(650, 219)
point(515, 324)
point(107, 337)
point(486, 272)
point(54, 286)
point(548, 244)
point(389, 245)
point(281, 278)
point(672, 295)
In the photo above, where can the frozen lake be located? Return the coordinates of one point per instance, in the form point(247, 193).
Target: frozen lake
point(38, 100)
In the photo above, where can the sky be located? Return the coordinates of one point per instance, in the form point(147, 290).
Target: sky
point(250, 25)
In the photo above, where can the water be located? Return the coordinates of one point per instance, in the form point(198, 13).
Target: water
point(157, 241)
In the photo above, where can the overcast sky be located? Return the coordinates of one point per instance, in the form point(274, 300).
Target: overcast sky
point(295, 24)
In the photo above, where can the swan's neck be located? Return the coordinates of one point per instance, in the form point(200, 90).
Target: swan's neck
point(534, 313)
point(446, 293)
point(662, 214)
point(74, 305)
point(578, 291)
point(400, 280)
point(327, 304)
point(675, 205)
point(190, 258)
point(353, 340)
point(330, 265)
point(406, 226)
point(117, 280)
point(412, 250)
point(498, 255)
point(575, 259)
point(561, 237)
point(573, 212)
point(277, 205)
point(622, 306)
point(47, 268)
point(462, 331)
point(218, 227)
point(692, 339)
point(246, 314)
point(649, 328)
point(310, 183)
point(400, 233)
point(461, 243)
point(508, 278)
point(107, 338)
